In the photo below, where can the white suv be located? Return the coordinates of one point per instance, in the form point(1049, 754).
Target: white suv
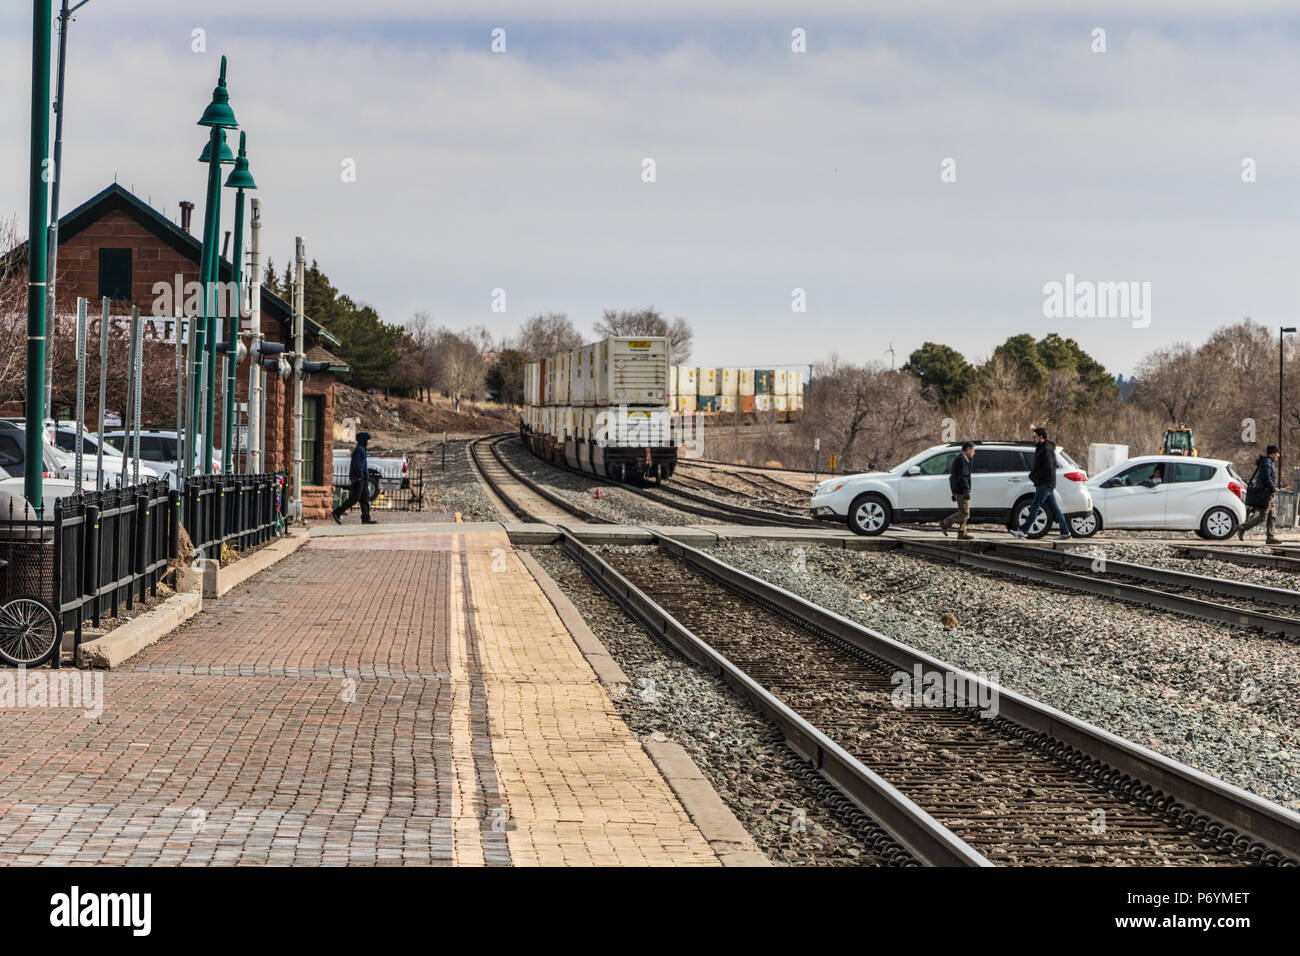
point(917, 490)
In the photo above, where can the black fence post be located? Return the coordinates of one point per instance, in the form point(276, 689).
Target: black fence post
point(92, 584)
point(141, 542)
point(174, 529)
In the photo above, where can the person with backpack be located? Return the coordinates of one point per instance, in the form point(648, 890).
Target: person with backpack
point(1261, 496)
point(959, 485)
point(1043, 475)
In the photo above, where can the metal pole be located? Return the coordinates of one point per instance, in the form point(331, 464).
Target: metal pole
point(1280, 354)
point(103, 384)
point(232, 338)
point(261, 420)
point(254, 462)
point(132, 389)
point(81, 385)
point(180, 373)
point(301, 262)
point(53, 236)
point(38, 221)
point(197, 328)
point(210, 345)
point(137, 346)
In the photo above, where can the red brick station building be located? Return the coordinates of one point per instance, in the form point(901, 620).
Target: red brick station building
point(119, 246)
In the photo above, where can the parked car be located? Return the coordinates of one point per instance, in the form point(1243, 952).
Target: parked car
point(162, 450)
point(1204, 495)
point(51, 490)
point(65, 439)
point(917, 490)
point(13, 453)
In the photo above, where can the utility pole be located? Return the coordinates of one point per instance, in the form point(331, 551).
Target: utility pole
point(38, 221)
point(1280, 359)
point(64, 19)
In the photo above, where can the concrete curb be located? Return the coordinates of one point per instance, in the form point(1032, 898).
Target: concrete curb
point(131, 638)
point(226, 579)
point(608, 672)
point(728, 839)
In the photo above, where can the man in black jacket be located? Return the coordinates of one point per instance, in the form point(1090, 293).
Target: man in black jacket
point(358, 479)
point(959, 484)
point(1043, 475)
point(1264, 479)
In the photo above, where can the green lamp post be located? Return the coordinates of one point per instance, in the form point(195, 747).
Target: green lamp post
point(38, 212)
point(218, 117)
point(239, 180)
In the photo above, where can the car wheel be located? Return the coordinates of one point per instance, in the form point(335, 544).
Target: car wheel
point(1219, 523)
point(372, 487)
point(869, 515)
point(1085, 526)
point(1021, 512)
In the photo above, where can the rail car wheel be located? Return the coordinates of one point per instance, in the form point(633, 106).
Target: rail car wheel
point(1219, 523)
point(29, 631)
point(869, 515)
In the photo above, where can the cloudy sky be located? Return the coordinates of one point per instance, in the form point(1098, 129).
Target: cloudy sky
point(774, 170)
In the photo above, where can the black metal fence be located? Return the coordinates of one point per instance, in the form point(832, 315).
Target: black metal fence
point(111, 548)
point(386, 494)
point(242, 510)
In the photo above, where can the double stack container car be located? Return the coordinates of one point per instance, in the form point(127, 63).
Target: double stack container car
point(603, 409)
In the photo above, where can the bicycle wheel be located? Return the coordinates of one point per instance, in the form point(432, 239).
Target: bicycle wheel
point(29, 631)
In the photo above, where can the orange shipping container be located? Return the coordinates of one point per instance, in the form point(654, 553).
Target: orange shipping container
point(746, 403)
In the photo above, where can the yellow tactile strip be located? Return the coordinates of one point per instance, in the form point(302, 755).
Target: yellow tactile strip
point(578, 787)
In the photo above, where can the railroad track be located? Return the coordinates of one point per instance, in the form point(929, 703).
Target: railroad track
point(520, 495)
point(1250, 559)
point(951, 786)
point(689, 502)
point(760, 496)
point(1270, 610)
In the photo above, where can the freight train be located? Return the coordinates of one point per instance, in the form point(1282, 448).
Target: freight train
point(603, 409)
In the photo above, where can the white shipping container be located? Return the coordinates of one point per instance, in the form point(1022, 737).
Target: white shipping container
point(563, 383)
point(762, 403)
point(683, 404)
point(780, 402)
point(746, 376)
point(780, 382)
point(620, 425)
point(672, 380)
point(728, 381)
point(632, 370)
point(796, 402)
point(688, 381)
point(1101, 457)
point(727, 403)
point(794, 384)
point(706, 383)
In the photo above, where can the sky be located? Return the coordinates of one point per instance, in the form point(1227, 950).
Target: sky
point(774, 170)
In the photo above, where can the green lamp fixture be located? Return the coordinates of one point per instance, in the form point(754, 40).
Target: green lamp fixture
point(219, 112)
point(226, 157)
point(240, 177)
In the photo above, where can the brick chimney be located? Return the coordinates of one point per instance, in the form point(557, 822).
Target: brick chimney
point(187, 210)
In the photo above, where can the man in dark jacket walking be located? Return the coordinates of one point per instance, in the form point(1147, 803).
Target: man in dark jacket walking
point(1043, 475)
point(358, 480)
point(1264, 480)
point(959, 484)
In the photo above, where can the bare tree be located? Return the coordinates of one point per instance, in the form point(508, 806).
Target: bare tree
point(13, 315)
point(462, 368)
point(649, 322)
point(548, 333)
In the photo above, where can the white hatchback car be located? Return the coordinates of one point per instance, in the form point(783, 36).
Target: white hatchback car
point(1204, 495)
point(917, 490)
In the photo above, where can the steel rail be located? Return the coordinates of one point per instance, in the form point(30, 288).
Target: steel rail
point(1252, 559)
point(1230, 807)
point(1095, 584)
point(916, 830)
point(510, 501)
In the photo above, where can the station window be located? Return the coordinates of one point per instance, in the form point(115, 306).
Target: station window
point(115, 274)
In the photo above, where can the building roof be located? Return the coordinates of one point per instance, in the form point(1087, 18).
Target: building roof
point(318, 354)
point(116, 197)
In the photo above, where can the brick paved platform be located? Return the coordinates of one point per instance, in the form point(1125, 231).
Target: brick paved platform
point(398, 699)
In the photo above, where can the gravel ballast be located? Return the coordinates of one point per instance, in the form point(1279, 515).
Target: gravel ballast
point(757, 776)
point(617, 504)
point(1221, 699)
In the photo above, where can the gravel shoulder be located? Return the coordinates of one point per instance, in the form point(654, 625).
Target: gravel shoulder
point(791, 818)
point(1223, 700)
